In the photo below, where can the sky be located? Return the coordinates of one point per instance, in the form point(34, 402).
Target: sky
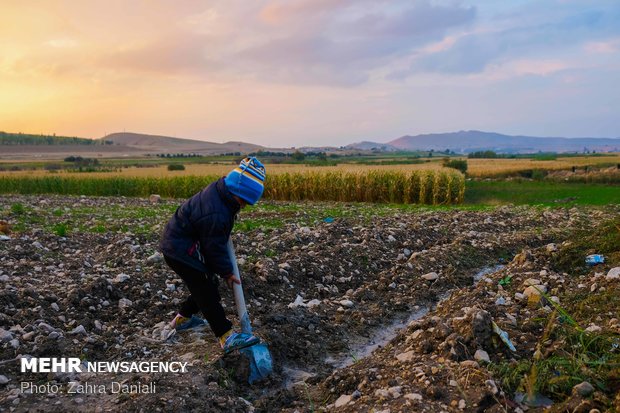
point(284, 73)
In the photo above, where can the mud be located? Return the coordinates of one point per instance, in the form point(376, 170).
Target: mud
point(362, 280)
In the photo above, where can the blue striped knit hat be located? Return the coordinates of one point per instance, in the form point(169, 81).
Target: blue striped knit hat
point(247, 180)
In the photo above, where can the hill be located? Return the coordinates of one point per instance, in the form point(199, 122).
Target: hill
point(471, 141)
point(369, 146)
point(27, 146)
point(158, 143)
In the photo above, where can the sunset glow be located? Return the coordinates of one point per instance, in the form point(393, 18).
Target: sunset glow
point(309, 72)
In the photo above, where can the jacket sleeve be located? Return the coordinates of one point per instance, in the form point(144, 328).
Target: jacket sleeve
point(214, 231)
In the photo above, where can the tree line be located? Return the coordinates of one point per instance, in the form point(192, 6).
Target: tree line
point(30, 139)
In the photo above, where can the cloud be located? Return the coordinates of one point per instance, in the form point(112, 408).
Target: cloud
point(610, 46)
point(539, 67)
point(169, 54)
point(344, 46)
point(318, 42)
point(62, 43)
point(279, 12)
point(548, 32)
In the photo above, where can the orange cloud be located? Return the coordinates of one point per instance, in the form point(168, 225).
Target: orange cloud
point(277, 12)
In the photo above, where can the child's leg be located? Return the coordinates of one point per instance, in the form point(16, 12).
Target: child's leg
point(189, 307)
point(204, 294)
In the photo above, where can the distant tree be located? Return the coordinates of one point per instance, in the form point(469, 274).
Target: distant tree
point(483, 155)
point(298, 156)
point(459, 164)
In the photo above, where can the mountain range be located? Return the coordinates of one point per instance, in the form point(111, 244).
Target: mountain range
point(136, 144)
point(471, 141)
point(459, 142)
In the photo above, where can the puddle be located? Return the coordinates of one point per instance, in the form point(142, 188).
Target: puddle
point(382, 336)
point(486, 270)
point(477, 278)
point(294, 376)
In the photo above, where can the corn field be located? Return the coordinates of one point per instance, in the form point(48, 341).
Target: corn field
point(413, 187)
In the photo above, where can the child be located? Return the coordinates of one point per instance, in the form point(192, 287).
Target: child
point(194, 245)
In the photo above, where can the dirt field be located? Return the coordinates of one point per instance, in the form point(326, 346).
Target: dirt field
point(477, 168)
point(326, 285)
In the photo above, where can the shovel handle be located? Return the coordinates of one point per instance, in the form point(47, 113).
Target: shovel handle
point(242, 311)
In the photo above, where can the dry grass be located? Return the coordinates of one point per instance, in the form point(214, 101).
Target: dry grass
point(424, 187)
point(223, 169)
point(481, 168)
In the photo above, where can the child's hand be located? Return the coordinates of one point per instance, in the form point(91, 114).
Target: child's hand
point(231, 280)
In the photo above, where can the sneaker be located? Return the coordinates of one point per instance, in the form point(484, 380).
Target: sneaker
point(180, 322)
point(237, 341)
point(177, 321)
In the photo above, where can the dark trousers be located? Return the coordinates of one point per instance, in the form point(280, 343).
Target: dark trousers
point(204, 296)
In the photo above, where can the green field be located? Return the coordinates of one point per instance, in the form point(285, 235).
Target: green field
point(539, 192)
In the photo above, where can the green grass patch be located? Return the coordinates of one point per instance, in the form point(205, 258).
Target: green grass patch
point(582, 357)
point(147, 220)
point(18, 209)
point(60, 229)
point(545, 157)
point(603, 238)
point(99, 229)
point(521, 192)
point(264, 224)
point(566, 353)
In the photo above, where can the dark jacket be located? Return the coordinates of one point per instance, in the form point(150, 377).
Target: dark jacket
point(197, 234)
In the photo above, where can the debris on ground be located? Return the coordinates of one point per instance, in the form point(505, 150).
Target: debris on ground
point(484, 302)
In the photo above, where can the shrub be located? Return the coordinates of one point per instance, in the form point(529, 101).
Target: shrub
point(458, 164)
point(298, 156)
point(539, 174)
point(483, 155)
point(176, 167)
point(52, 167)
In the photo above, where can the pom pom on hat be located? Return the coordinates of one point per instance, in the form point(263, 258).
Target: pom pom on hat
point(247, 180)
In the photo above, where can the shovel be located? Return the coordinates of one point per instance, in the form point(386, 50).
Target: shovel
point(258, 355)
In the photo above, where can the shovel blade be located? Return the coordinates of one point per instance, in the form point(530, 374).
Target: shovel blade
point(261, 364)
